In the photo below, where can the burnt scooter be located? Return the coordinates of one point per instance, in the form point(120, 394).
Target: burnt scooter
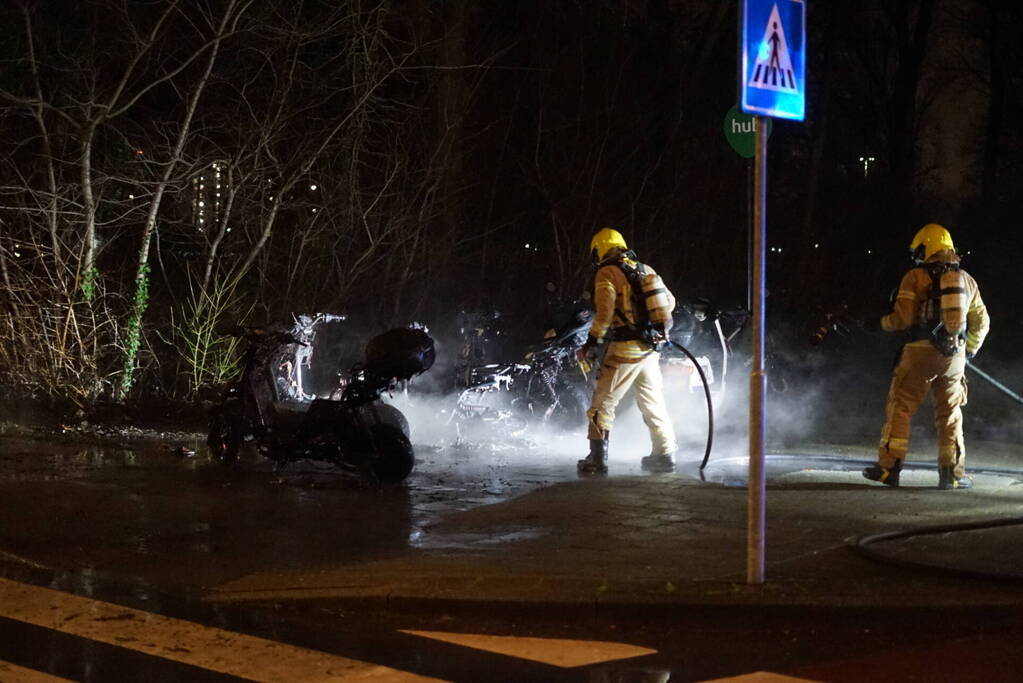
point(547, 386)
point(346, 431)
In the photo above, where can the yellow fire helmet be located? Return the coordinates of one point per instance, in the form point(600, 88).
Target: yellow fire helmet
point(604, 242)
point(929, 240)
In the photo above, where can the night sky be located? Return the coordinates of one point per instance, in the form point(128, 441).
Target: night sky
point(410, 160)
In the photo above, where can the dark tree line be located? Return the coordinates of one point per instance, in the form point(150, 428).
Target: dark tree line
point(169, 167)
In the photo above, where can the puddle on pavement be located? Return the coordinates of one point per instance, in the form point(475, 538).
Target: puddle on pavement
point(25, 458)
point(144, 505)
point(783, 469)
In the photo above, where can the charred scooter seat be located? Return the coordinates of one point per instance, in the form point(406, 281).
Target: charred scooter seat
point(353, 431)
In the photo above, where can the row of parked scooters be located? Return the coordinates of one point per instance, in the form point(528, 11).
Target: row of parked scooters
point(290, 408)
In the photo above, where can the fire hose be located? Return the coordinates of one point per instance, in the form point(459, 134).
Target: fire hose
point(706, 393)
point(995, 383)
point(862, 546)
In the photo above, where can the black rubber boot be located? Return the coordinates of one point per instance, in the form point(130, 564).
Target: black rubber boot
point(596, 461)
point(658, 463)
point(947, 479)
point(888, 477)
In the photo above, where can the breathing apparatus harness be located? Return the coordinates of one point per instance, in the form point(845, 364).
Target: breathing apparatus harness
point(649, 298)
point(944, 310)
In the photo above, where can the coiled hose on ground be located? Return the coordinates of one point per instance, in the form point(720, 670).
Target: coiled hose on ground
point(862, 546)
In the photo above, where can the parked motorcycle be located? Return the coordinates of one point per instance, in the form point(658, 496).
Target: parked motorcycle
point(546, 387)
point(352, 430)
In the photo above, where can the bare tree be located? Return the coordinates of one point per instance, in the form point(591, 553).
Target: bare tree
point(232, 13)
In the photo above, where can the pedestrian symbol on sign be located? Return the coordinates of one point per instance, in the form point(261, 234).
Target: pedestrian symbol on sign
point(773, 68)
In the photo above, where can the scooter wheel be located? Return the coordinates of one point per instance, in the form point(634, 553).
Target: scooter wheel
point(391, 459)
point(387, 414)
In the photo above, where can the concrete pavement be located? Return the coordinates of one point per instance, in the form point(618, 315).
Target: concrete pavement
point(671, 542)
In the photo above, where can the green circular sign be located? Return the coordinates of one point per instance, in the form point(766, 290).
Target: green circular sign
point(740, 131)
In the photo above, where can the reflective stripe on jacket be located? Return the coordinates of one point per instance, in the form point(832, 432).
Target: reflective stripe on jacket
point(914, 290)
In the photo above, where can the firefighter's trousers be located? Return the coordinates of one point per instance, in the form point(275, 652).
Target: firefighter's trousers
point(624, 368)
point(922, 368)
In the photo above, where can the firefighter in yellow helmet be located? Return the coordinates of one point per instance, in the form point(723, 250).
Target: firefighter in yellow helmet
point(939, 304)
point(631, 359)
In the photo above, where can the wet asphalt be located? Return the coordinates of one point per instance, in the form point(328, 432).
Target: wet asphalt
point(500, 537)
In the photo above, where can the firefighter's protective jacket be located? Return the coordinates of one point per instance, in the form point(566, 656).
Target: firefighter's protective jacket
point(914, 290)
point(612, 297)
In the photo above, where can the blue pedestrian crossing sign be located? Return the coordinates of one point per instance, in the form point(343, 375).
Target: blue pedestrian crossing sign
point(773, 69)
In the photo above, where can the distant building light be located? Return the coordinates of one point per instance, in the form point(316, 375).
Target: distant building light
point(866, 161)
point(312, 187)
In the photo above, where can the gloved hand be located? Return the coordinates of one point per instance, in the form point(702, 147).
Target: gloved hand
point(587, 351)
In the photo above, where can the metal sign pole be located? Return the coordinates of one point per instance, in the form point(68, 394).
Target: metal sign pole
point(755, 504)
point(749, 230)
point(772, 83)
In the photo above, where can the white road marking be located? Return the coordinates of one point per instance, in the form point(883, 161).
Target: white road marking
point(12, 673)
point(205, 647)
point(554, 651)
